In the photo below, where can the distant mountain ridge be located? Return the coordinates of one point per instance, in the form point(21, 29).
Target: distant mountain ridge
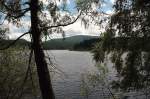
point(70, 43)
point(19, 43)
point(67, 42)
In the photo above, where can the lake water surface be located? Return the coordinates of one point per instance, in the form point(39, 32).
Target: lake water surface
point(72, 65)
point(69, 69)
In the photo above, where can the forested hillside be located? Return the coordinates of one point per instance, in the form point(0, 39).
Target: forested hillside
point(66, 43)
point(19, 43)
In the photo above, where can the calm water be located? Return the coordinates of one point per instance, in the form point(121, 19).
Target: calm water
point(67, 74)
point(70, 66)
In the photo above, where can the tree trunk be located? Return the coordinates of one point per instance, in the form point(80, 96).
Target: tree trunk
point(42, 67)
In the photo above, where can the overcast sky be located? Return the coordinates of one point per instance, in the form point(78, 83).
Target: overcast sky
point(71, 30)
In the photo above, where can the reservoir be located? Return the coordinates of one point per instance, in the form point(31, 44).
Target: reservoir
point(70, 66)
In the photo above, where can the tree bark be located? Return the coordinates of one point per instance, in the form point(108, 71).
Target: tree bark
point(42, 67)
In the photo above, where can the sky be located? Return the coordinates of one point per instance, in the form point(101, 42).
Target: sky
point(75, 29)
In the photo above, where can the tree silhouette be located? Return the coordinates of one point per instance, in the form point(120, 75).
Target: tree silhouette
point(13, 10)
point(128, 32)
point(43, 24)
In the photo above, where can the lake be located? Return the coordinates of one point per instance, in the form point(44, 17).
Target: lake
point(69, 68)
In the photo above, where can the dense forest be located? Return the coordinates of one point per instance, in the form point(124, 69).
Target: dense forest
point(130, 26)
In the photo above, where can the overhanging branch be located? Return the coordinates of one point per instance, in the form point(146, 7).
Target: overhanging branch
point(10, 9)
point(20, 14)
point(8, 46)
point(65, 24)
point(3, 21)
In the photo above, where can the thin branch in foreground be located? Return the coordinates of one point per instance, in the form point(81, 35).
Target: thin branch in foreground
point(28, 73)
point(3, 21)
point(8, 46)
point(21, 14)
point(65, 24)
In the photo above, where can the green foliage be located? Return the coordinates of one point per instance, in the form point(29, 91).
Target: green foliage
point(86, 44)
point(91, 10)
point(3, 33)
point(98, 53)
point(131, 18)
point(99, 78)
point(13, 67)
point(102, 46)
point(96, 82)
point(19, 44)
point(84, 88)
point(128, 36)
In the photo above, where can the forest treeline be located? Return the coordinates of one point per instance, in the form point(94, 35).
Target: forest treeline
point(69, 43)
point(85, 43)
point(80, 42)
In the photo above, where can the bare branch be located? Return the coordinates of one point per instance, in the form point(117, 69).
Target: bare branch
point(3, 12)
point(28, 73)
point(59, 25)
point(9, 9)
point(8, 46)
point(3, 21)
point(25, 3)
point(21, 14)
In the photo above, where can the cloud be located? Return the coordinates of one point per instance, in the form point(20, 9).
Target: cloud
point(110, 12)
point(78, 29)
point(15, 31)
point(75, 29)
point(112, 1)
point(71, 30)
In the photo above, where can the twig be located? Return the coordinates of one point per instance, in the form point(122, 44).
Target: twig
point(10, 9)
point(8, 46)
point(26, 76)
point(21, 14)
point(111, 93)
point(3, 21)
point(53, 66)
point(59, 25)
